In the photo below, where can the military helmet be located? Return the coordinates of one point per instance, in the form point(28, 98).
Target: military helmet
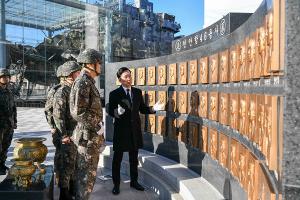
point(58, 71)
point(69, 67)
point(89, 56)
point(4, 72)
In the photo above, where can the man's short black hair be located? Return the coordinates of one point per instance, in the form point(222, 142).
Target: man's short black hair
point(121, 71)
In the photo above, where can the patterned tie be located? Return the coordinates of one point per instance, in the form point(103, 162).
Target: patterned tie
point(128, 96)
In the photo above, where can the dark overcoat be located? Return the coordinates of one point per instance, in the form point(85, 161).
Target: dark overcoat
point(127, 127)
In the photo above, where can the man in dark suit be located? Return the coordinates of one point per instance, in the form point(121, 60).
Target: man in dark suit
point(125, 103)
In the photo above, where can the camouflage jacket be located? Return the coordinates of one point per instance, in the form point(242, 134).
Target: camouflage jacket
point(8, 111)
point(49, 106)
point(61, 111)
point(85, 104)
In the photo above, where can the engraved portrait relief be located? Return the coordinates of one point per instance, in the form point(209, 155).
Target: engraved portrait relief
point(252, 118)
point(151, 75)
point(223, 158)
point(251, 185)
point(234, 110)
point(161, 74)
point(183, 73)
point(193, 75)
point(267, 138)
point(161, 125)
point(151, 124)
point(261, 49)
point(214, 68)
point(193, 134)
point(224, 108)
point(233, 64)
point(224, 72)
point(172, 73)
point(234, 157)
point(162, 96)
point(203, 141)
point(151, 98)
point(262, 185)
point(251, 57)
point(141, 76)
point(243, 164)
point(182, 102)
point(203, 63)
point(242, 62)
point(269, 43)
point(132, 70)
point(171, 100)
point(194, 103)
point(203, 104)
point(260, 121)
point(213, 102)
point(213, 143)
point(243, 113)
point(182, 130)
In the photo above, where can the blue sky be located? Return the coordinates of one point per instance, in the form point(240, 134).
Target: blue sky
point(189, 13)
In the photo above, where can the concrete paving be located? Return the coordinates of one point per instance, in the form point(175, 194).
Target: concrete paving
point(32, 123)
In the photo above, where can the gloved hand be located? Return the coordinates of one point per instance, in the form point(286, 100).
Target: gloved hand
point(158, 106)
point(121, 110)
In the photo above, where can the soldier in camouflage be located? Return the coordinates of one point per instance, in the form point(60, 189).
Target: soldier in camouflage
point(86, 109)
point(65, 125)
point(8, 117)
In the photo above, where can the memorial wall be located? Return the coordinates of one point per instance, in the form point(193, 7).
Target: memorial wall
point(224, 104)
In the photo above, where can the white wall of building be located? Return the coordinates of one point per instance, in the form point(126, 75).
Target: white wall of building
point(216, 9)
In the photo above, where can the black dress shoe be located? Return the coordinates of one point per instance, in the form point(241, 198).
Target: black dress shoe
point(137, 186)
point(116, 190)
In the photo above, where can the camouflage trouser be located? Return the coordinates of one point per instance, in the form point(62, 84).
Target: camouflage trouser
point(56, 139)
point(65, 157)
point(6, 135)
point(86, 167)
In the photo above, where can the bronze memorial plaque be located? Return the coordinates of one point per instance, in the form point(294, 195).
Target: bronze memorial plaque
point(151, 98)
point(242, 61)
point(203, 63)
point(224, 69)
point(214, 68)
point(243, 114)
point(173, 74)
point(233, 67)
point(182, 130)
point(193, 75)
point(234, 110)
point(172, 105)
point(204, 139)
point(193, 134)
point(151, 75)
point(243, 164)
point(251, 57)
point(224, 109)
point(194, 103)
point(132, 70)
point(251, 185)
point(203, 104)
point(183, 73)
point(213, 143)
point(213, 102)
point(223, 154)
point(162, 97)
point(141, 76)
point(252, 115)
point(234, 157)
point(161, 74)
point(182, 102)
point(151, 123)
point(161, 125)
point(260, 121)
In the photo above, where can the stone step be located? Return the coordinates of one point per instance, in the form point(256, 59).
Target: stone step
point(180, 181)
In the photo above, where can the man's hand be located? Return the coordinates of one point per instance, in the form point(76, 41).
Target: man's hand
point(66, 140)
point(121, 110)
point(158, 106)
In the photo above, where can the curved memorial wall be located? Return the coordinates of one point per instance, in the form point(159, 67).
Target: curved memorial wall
point(224, 102)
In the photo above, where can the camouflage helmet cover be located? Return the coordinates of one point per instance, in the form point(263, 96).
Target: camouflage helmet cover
point(89, 56)
point(4, 72)
point(68, 68)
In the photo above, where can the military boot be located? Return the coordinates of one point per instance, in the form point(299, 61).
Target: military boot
point(72, 188)
point(64, 194)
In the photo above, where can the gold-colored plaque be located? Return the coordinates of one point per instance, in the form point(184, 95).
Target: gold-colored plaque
point(252, 115)
point(172, 73)
point(182, 130)
point(213, 144)
point(161, 74)
point(261, 36)
point(243, 114)
point(193, 135)
point(183, 73)
point(141, 76)
point(251, 185)
point(193, 75)
point(243, 166)
point(251, 56)
point(194, 103)
point(233, 67)
point(203, 63)
point(214, 68)
point(213, 102)
point(204, 139)
point(224, 69)
point(151, 98)
point(151, 75)
point(162, 97)
point(203, 104)
point(242, 61)
point(234, 157)
point(224, 109)
point(161, 125)
point(172, 105)
point(132, 70)
point(151, 124)
point(182, 102)
point(260, 121)
point(234, 110)
point(223, 158)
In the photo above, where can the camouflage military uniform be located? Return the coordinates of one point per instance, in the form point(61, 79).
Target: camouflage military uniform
point(8, 119)
point(86, 109)
point(65, 124)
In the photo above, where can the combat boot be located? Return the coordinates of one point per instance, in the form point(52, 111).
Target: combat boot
point(64, 194)
point(72, 188)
